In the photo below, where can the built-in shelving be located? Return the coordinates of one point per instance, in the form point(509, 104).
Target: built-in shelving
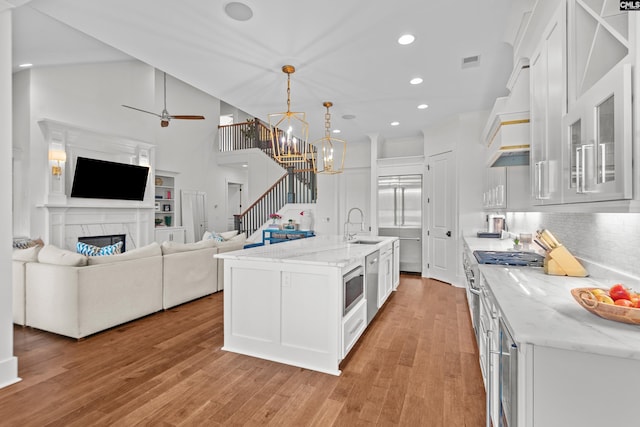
point(165, 206)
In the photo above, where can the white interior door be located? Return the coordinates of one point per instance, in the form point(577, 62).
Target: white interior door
point(442, 217)
point(234, 202)
point(194, 214)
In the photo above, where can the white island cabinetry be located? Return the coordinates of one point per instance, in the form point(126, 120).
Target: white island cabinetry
point(285, 302)
point(385, 280)
point(396, 264)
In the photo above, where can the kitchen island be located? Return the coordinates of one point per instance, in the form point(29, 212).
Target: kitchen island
point(285, 302)
point(573, 367)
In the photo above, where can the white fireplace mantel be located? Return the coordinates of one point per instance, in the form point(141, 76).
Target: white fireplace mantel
point(66, 218)
point(65, 224)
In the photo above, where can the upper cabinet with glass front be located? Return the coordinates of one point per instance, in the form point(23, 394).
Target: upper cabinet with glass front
point(548, 105)
point(597, 137)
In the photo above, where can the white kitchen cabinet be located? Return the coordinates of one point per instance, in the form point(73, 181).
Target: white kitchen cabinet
point(396, 264)
point(353, 325)
point(507, 188)
point(581, 111)
point(518, 194)
point(495, 188)
point(488, 345)
point(548, 105)
point(555, 375)
point(598, 137)
point(597, 130)
point(170, 234)
point(385, 277)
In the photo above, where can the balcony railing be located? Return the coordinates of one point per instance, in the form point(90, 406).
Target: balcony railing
point(242, 136)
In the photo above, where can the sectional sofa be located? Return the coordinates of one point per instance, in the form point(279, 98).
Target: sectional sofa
point(74, 295)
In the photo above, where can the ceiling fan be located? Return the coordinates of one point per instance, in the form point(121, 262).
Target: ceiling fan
point(165, 116)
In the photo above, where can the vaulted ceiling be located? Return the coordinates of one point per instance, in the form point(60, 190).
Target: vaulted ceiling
point(344, 51)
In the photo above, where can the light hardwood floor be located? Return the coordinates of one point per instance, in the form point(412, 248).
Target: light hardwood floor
point(416, 365)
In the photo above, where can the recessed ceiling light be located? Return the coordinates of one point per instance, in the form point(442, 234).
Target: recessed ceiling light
point(238, 11)
point(406, 39)
point(395, 123)
point(244, 165)
point(348, 117)
point(415, 81)
point(423, 107)
point(336, 131)
point(27, 65)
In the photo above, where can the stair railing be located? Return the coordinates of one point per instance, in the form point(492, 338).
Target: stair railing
point(300, 187)
point(258, 213)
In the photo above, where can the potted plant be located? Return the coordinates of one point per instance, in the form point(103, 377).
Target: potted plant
point(249, 130)
point(516, 244)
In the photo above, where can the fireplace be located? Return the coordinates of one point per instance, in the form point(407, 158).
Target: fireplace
point(102, 241)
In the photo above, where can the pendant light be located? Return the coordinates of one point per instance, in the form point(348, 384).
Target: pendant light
point(289, 130)
point(329, 152)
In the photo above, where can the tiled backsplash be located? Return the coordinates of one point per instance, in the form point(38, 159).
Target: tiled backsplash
point(611, 240)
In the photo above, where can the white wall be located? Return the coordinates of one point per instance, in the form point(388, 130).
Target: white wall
point(21, 150)
point(401, 147)
point(339, 193)
point(90, 96)
point(8, 363)
point(607, 239)
point(462, 134)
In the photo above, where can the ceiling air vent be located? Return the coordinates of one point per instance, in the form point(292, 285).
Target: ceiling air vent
point(470, 61)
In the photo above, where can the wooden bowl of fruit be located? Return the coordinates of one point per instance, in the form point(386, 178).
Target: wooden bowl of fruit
point(617, 303)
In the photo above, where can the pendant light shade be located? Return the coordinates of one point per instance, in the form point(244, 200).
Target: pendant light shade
point(289, 131)
point(329, 152)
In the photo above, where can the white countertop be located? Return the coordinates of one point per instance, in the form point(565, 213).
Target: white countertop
point(539, 309)
point(322, 250)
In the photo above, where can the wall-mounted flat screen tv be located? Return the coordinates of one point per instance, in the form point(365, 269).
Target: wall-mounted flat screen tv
point(100, 179)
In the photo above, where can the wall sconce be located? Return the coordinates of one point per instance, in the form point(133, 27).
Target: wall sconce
point(57, 156)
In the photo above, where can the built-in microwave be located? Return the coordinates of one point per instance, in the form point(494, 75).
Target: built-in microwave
point(352, 289)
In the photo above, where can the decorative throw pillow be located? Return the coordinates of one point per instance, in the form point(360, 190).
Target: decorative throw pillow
point(212, 235)
point(91, 250)
point(27, 243)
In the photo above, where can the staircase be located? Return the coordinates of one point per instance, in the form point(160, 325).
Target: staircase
point(297, 186)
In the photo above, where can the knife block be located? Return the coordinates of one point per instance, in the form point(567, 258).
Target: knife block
point(560, 262)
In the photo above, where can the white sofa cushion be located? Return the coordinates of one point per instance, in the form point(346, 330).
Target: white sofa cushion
point(80, 301)
point(175, 247)
point(26, 255)
point(188, 275)
point(150, 250)
point(227, 235)
point(50, 254)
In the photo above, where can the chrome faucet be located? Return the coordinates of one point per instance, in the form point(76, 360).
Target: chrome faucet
point(347, 235)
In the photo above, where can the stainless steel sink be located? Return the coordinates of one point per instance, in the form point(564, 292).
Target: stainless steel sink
point(365, 242)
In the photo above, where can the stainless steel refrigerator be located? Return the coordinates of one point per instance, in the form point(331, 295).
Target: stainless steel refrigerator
point(400, 215)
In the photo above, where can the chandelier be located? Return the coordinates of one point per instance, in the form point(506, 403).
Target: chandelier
point(289, 130)
point(329, 152)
